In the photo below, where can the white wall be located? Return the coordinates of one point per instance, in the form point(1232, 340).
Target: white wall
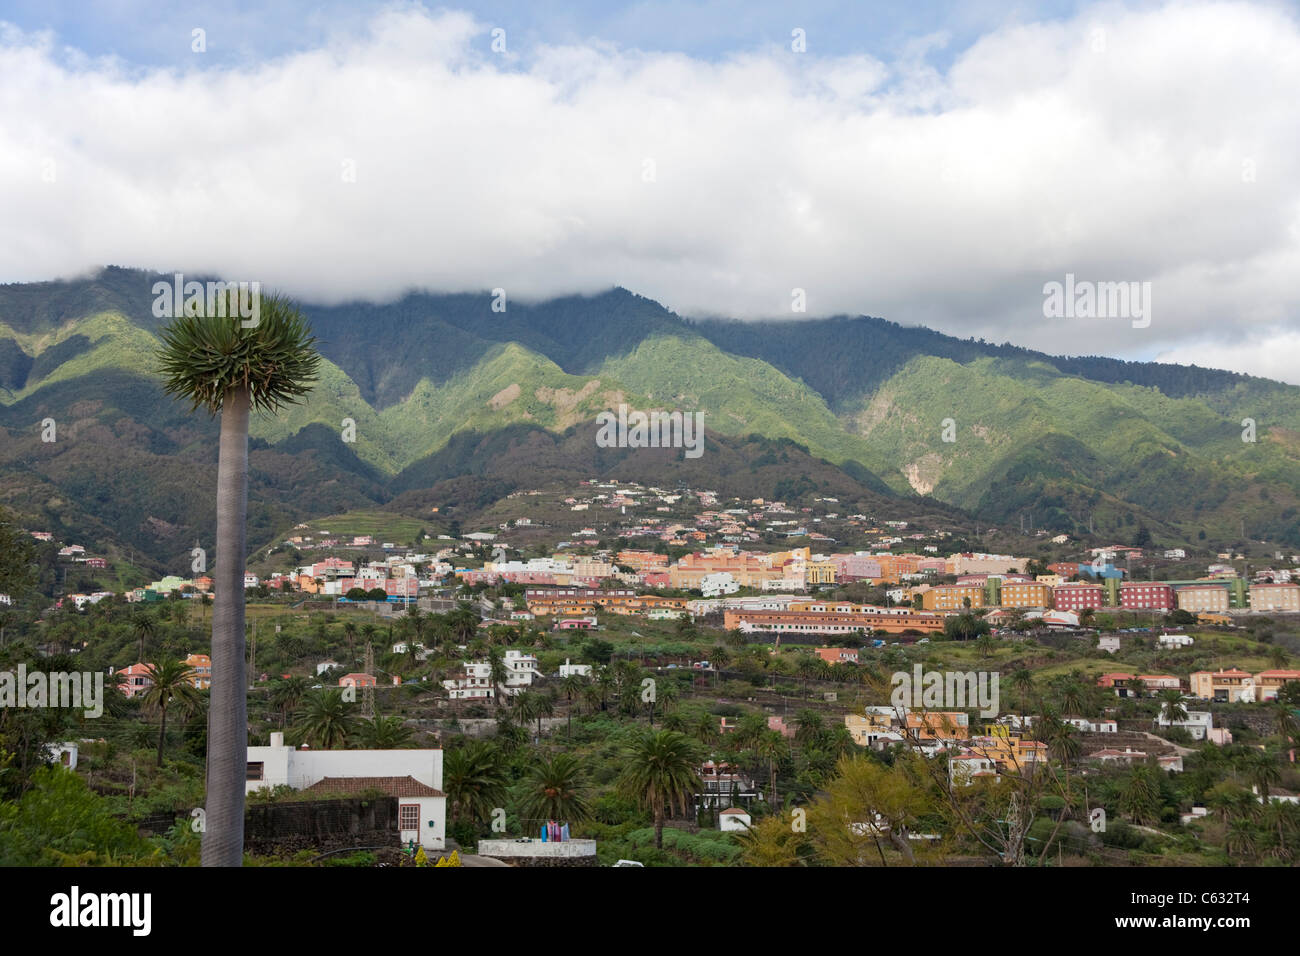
point(301, 768)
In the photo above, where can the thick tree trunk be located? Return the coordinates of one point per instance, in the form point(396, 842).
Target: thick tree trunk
point(162, 735)
point(223, 838)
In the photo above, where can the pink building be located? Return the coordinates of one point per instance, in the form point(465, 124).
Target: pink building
point(1076, 597)
point(780, 726)
point(402, 587)
point(856, 567)
point(135, 680)
point(1146, 596)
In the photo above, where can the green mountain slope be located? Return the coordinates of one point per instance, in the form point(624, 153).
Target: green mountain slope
point(443, 389)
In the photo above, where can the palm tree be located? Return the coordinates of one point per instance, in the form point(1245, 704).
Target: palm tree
point(171, 685)
point(1072, 699)
point(1140, 797)
point(1240, 840)
point(525, 707)
point(217, 363)
point(499, 674)
point(325, 721)
point(1262, 771)
point(464, 622)
point(145, 627)
point(572, 685)
point(287, 694)
point(553, 790)
point(474, 778)
point(811, 726)
point(771, 746)
point(1171, 706)
point(384, 733)
point(350, 632)
point(660, 775)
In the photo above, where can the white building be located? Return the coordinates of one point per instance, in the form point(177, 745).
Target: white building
point(323, 666)
point(1199, 723)
point(413, 776)
point(1175, 640)
point(581, 670)
point(733, 819)
point(716, 585)
point(964, 768)
point(1087, 726)
point(520, 668)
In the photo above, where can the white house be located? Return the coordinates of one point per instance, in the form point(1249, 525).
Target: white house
point(414, 777)
point(716, 585)
point(476, 684)
point(1176, 553)
point(733, 819)
point(964, 768)
point(64, 753)
point(1087, 726)
point(1108, 643)
point(581, 670)
point(323, 666)
point(1175, 640)
point(520, 668)
point(1198, 723)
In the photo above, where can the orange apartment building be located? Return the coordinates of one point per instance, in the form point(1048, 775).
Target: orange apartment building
point(1238, 685)
point(641, 561)
point(1268, 683)
point(1229, 685)
point(1202, 598)
point(937, 725)
point(201, 665)
point(952, 597)
point(830, 622)
point(1275, 597)
point(1026, 594)
point(614, 602)
point(894, 566)
point(746, 569)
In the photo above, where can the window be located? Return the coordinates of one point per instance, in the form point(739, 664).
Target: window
point(255, 771)
point(408, 816)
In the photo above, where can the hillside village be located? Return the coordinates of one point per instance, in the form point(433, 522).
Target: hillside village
point(768, 645)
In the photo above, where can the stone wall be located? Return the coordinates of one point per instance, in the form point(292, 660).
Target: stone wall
point(322, 825)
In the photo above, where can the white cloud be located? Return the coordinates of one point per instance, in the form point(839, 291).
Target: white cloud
point(939, 198)
point(1270, 353)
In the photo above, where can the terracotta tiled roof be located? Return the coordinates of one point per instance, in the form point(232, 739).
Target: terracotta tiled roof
point(406, 786)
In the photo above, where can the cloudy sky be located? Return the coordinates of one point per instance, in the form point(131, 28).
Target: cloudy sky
point(933, 164)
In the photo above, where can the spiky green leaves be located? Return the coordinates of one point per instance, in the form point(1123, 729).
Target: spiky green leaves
point(204, 357)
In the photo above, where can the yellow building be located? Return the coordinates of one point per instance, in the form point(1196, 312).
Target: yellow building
point(1008, 748)
point(1198, 598)
point(865, 728)
point(1275, 597)
point(952, 597)
point(1022, 594)
point(820, 572)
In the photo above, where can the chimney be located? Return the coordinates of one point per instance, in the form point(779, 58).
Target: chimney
point(277, 739)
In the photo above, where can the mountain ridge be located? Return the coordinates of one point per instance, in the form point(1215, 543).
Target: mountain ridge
point(994, 430)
